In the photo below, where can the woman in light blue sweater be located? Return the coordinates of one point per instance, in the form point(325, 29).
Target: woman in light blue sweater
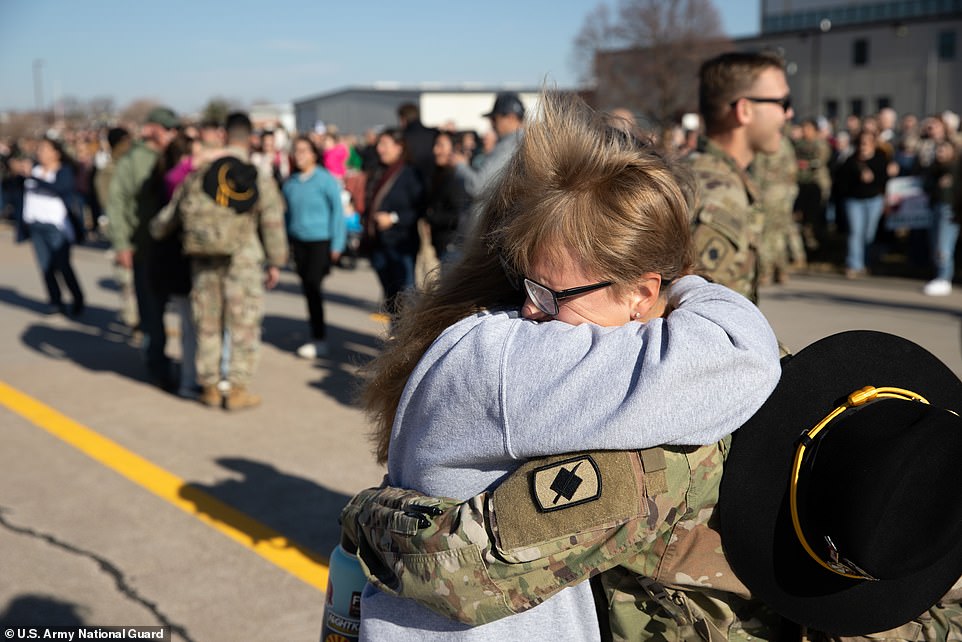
point(317, 232)
point(572, 322)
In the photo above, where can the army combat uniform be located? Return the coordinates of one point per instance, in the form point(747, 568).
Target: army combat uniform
point(645, 534)
point(781, 243)
point(498, 554)
point(726, 220)
point(227, 292)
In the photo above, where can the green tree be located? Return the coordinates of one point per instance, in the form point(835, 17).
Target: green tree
point(217, 109)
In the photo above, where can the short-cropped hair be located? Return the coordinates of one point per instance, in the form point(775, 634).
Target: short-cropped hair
point(728, 77)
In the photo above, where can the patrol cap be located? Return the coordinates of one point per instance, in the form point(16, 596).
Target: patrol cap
point(163, 116)
point(507, 102)
point(232, 183)
point(838, 506)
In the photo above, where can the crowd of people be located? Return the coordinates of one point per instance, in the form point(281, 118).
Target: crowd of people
point(648, 250)
point(403, 197)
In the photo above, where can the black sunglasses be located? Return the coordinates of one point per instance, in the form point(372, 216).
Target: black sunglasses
point(785, 103)
point(546, 299)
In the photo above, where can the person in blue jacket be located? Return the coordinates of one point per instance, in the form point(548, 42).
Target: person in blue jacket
point(317, 232)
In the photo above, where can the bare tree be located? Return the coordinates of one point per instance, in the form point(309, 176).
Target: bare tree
point(647, 59)
point(136, 112)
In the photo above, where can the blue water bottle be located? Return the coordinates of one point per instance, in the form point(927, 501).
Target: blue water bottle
point(342, 604)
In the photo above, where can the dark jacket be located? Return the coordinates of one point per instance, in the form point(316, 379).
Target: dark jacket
point(850, 176)
point(64, 185)
point(419, 141)
point(403, 198)
point(447, 205)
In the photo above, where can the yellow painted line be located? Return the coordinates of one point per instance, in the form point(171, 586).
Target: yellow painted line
point(301, 562)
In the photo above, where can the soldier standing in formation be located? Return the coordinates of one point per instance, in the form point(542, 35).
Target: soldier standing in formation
point(744, 101)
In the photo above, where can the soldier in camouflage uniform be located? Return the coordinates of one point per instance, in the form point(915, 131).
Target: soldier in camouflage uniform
point(228, 292)
point(659, 572)
point(744, 102)
point(498, 554)
point(814, 181)
point(781, 245)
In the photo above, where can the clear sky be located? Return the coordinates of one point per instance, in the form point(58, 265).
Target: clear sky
point(184, 52)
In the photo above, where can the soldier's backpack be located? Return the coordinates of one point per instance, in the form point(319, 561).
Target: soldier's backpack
point(217, 208)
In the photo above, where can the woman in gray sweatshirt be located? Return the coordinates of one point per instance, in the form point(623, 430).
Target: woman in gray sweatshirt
point(573, 322)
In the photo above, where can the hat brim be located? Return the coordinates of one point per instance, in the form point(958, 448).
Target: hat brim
point(755, 523)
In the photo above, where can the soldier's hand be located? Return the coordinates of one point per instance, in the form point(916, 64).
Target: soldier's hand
point(273, 277)
point(125, 259)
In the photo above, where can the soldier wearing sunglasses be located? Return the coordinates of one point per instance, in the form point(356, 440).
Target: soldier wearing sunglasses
point(744, 102)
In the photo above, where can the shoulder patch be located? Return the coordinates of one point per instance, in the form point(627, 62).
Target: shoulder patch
point(565, 483)
point(550, 498)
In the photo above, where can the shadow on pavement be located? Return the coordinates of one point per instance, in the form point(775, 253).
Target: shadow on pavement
point(40, 610)
point(12, 297)
point(329, 297)
point(108, 284)
point(94, 340)
point(295, 507)
point(861, 301)
point(349, 350)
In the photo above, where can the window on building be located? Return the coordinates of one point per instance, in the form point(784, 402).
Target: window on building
point(831, 109)
point(860, 52)
point(857, 107)
point(882, 102)
point(946, 45)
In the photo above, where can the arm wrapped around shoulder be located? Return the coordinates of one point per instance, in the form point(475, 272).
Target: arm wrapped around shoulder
point(553, 523)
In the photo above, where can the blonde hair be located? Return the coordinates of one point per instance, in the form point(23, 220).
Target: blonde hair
point(577, 185)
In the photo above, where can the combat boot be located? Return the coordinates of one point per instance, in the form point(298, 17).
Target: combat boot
point(240, 397)
point(210, 396)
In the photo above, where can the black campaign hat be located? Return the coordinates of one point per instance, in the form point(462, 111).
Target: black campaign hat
point(232, 183)
point(507, 102)
point(875, 483)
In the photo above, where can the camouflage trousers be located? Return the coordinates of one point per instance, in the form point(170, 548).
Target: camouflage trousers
point(225, 296)
point(124, 278)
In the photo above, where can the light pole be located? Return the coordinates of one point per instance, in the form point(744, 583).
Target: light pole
point(824, 26)
point(38, 84)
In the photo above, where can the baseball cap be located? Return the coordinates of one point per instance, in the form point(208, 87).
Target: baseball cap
point(163, 116)
point(507, 102)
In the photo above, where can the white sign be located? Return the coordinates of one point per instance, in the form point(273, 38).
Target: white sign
point(907, 203)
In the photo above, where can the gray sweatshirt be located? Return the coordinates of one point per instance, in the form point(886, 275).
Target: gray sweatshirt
point(495, 389)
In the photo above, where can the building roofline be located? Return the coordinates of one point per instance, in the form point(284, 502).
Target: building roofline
point(388, 88)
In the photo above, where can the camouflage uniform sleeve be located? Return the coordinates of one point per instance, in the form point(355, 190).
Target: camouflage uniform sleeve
point(723, 243)
point(271, 221)
point(553, 523)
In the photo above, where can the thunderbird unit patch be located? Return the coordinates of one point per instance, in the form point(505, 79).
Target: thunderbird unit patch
point(565, 483)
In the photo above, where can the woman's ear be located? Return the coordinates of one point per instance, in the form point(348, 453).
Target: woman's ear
point(646, 298)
